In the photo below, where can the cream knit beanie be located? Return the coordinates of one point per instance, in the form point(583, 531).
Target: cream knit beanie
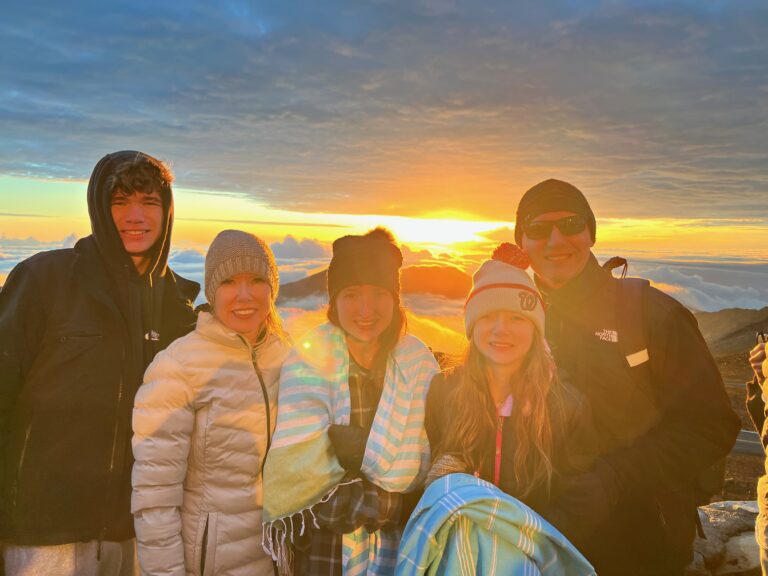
point(233, 252)
point(501, 283)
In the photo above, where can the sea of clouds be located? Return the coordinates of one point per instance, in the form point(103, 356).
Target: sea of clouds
point(706, 284)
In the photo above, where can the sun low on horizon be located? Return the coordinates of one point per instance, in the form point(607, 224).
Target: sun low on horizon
point(50, 210)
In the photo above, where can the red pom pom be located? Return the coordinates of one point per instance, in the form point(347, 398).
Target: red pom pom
point(511, 254)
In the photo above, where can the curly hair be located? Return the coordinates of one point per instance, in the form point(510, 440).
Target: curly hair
point(140, 174)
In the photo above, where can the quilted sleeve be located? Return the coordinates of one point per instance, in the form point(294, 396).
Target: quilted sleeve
point(163, 420)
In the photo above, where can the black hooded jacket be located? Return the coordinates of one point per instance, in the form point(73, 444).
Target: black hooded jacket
point(72, 355)
point(658, 433)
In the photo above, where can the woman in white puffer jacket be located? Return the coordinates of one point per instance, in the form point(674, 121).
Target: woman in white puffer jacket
point(203, 420)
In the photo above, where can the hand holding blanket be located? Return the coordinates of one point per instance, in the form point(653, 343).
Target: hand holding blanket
point(348, 445)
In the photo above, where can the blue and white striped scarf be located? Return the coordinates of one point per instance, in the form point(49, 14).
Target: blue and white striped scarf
point(465, 526)
point(301, 468)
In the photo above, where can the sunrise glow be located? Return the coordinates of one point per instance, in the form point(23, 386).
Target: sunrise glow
point(28, 212)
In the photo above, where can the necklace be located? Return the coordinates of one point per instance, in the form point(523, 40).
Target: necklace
point(362, 355)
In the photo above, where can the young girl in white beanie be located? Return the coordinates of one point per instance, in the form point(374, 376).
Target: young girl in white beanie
point(203, 422)
point(505, 417)
point(505, 413)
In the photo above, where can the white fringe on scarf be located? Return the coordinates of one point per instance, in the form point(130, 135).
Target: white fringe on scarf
point(273, 537)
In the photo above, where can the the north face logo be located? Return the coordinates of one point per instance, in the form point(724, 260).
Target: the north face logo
point(527, 301)
point(607, 335)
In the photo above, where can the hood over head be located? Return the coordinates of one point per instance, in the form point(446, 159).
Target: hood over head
point(100, 211)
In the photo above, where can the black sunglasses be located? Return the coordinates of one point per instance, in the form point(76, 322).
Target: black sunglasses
point(569, 226)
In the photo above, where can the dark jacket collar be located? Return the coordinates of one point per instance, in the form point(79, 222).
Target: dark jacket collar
point(183, 289)
point(91, 270)
point(590, 280)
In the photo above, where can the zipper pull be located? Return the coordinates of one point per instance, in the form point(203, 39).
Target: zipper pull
point(499, 430)
point(497, 456)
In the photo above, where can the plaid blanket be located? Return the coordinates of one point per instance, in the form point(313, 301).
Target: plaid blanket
point(301, 470)
point(465, 526)
point(321, 552)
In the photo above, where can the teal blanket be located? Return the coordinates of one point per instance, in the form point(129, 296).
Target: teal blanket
point(464, 526)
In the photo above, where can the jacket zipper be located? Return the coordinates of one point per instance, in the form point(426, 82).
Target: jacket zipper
point(266, 403)
point(117, 429)
point(497, 453)
point(22, 457)
point(112, 459)
point(256, 369)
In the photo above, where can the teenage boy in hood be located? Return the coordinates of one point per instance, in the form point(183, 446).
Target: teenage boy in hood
point(78, 327)
point(660, 408)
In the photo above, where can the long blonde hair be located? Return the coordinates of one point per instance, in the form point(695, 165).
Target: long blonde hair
point(473, 416)
point(274, 323)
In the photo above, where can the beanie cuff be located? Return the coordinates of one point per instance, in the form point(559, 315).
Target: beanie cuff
point(552, 196)
point(387, 279)
point(516, 298)
point(237, 265)
point(361, 260)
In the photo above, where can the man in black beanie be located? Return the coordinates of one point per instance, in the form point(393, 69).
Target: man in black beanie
point(657, 396)
point(78, 327)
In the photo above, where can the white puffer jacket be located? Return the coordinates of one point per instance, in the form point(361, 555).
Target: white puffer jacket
point(199, 439)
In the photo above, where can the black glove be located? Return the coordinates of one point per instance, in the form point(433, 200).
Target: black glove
point(586, 501)
point(349, 445)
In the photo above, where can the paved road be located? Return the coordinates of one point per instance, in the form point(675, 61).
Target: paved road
point(748, 442)
point(731, 383)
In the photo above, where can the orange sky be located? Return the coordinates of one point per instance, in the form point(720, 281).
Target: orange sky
point(50, 210)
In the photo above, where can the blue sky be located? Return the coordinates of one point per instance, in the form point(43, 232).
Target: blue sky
point(657, 108)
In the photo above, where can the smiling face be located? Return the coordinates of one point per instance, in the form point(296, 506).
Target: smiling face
point(503, 338)
point(242, 304)
point(365, 311)
point(138, 217)
point(558, 258)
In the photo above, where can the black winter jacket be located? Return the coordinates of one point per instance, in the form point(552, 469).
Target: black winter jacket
point(658, 433)
point(71, 361)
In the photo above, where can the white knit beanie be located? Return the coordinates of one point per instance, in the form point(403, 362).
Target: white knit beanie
point(501, 283)
point(234, 252)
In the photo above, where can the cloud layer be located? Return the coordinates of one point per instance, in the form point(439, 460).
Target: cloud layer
point(655, 108)
point(708, 285)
